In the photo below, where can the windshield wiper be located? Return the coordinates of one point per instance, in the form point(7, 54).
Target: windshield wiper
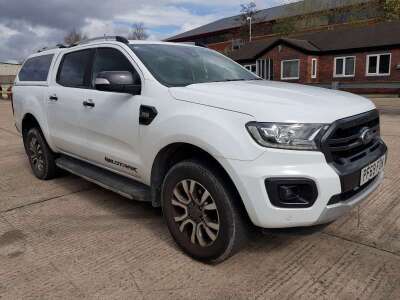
point(228, 80)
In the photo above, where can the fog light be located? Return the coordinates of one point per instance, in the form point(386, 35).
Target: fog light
point(291, 192)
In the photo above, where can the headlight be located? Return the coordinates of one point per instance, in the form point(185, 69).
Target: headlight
point(287, 136)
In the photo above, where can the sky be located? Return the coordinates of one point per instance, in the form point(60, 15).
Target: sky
point(29, 25)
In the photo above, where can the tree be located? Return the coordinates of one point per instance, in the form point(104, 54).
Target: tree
point(73, 37)
point(392, 9)
point(138, 32)
point(247, 12)
point(304, 16)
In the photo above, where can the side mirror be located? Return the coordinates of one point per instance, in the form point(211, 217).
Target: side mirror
point(117, 81)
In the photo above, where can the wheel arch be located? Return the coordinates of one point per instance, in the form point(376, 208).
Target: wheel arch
point(28, 122)
point(177, 152)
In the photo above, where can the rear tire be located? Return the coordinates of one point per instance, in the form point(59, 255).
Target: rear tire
point(40, 156)
point(201, 212)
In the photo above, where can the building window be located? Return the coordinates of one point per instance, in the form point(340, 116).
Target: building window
point(378, 64)
point(314, 68)
point(251, 68)
point(290, 69)
point(345, 66)
point(237, 44)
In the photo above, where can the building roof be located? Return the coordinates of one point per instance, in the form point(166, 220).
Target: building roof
point(339, 40)
point(269, 14)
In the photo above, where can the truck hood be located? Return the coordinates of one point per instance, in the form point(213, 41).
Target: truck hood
point(272, 101)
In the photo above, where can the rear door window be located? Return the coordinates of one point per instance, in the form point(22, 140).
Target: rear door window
point(36, 68)
point(74, 70)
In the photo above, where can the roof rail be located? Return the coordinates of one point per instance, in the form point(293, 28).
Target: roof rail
point(117, 38)
point(58, 46)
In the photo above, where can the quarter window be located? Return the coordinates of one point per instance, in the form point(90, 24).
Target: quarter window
point(290, 69)
point(109, 59)
point(345, 66)
point(74, 69)
point(378, 64)
point(36, 68)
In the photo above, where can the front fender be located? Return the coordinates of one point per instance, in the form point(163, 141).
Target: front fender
point(219, 132)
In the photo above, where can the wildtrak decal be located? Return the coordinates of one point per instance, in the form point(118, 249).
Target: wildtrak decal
point(120, 164)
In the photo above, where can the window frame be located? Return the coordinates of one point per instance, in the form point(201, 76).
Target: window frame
point(298, 69)
point(267, 68)
point(343, 75)
point(314, 62)
point(87, 74)
point(378, 64)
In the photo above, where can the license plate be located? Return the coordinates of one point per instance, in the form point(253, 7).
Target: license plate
point(372, 170)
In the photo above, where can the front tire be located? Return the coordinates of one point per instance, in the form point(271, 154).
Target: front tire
point(201, 213)
point(40, 156)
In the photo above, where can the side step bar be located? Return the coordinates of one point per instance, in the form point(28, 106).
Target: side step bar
point(126, 187)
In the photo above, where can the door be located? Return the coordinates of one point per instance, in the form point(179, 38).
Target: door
point(265, 69)
point(111, 125)
point(65, 96)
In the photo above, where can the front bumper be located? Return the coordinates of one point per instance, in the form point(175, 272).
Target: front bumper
point(333, 212)
point(249, 178)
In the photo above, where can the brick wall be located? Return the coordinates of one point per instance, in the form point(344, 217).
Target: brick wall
point(282, 52)
point(325, 69)
point(221, 47)
point(327, 65)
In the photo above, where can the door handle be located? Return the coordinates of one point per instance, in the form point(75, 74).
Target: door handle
point(53, 98)
point(88, 103)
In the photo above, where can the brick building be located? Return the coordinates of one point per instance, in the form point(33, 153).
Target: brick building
point(231, 33)
point(362, 59)
point(342, 44)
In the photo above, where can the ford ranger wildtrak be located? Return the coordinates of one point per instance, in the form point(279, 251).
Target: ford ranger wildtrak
point(195, 133)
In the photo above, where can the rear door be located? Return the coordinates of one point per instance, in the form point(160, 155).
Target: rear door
point(112, 124)
point(65, 99)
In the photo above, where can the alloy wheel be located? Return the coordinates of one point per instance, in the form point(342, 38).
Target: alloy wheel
point(36, 154)
point(195, 212)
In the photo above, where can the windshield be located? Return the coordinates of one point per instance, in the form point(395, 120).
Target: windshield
point(181, 65)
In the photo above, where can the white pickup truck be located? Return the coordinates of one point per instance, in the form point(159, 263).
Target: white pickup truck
point(188, 129)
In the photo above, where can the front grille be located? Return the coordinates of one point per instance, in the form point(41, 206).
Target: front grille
point(345, 150)
point(343, 144)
